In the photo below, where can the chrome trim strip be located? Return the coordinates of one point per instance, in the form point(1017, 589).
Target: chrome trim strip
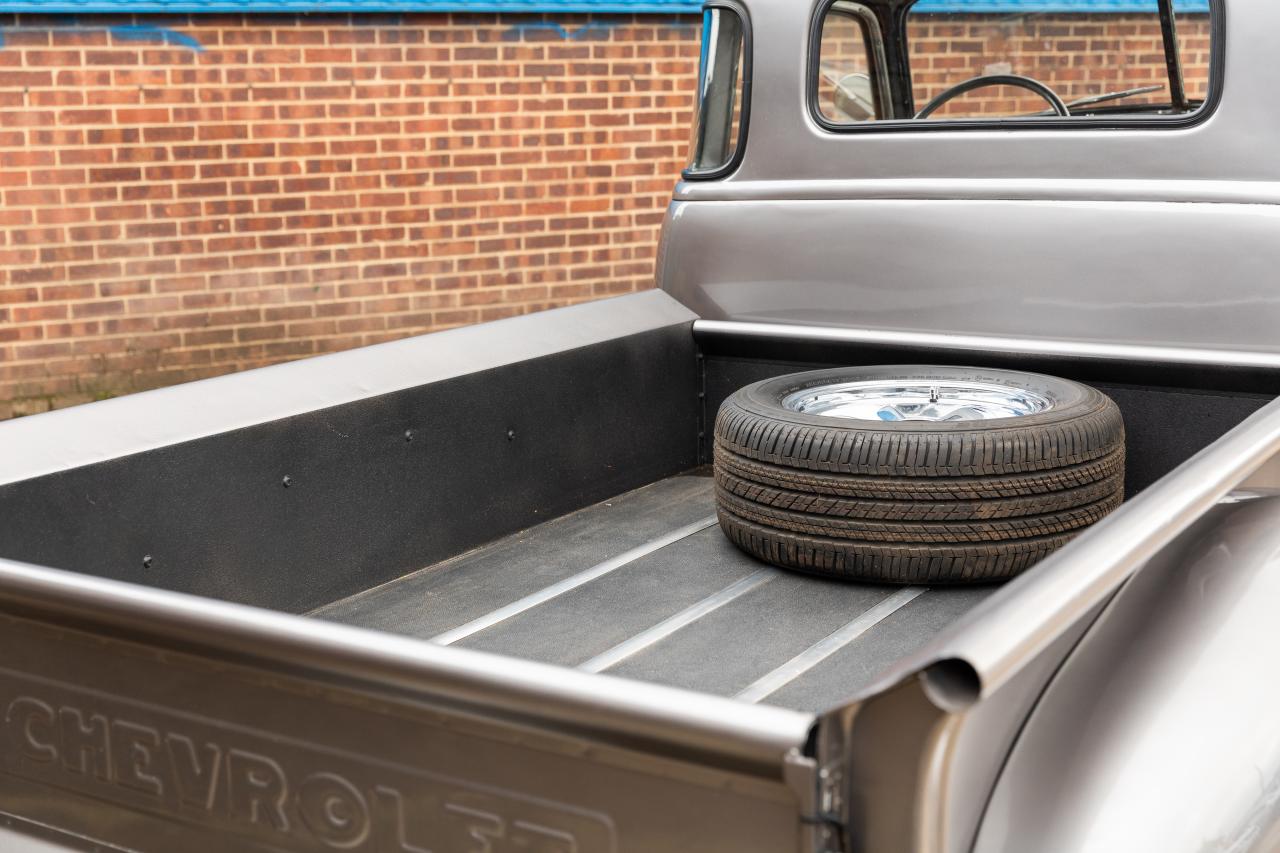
point(572, 582)
point(989, 343)
point(109, 429)
point(1005, 633)
point(986, 189)
point(772, 682)
point(684, 618)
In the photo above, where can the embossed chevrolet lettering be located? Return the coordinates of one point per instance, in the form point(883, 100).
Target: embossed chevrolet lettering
point(279, 790)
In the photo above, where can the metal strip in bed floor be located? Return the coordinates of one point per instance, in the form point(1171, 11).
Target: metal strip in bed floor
point(645, 586)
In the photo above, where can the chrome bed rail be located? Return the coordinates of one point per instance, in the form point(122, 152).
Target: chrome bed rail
point(709, 330)
point(133, 716)
point(988, 646)
point(292, 710)
point(960, 700)
point(607, 710)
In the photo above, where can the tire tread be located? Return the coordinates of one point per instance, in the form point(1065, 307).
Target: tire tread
point(893, 504)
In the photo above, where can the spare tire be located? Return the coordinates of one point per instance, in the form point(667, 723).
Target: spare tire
point(910, 474)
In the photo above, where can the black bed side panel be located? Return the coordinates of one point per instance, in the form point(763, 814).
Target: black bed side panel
point(298, 512)
point(1170, 412)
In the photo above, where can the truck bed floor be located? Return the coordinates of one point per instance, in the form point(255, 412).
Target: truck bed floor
point(645, 586)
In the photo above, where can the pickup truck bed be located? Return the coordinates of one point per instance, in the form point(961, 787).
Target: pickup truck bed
point(544, 628)
point(645, 586)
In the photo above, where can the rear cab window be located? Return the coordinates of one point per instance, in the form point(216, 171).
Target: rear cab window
point(978, 62)
point(724, 91)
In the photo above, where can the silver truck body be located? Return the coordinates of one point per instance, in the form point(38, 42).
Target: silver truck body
point(180, 563)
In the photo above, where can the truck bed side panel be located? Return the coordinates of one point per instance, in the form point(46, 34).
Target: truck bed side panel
point(378, 485)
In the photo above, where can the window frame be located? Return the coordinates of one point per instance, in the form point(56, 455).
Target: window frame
point(873, 40)
point(744, 120)
point(1217, 67)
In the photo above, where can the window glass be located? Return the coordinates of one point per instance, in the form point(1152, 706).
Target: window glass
point(977, 59)
point(846, 88)
point(721, 93)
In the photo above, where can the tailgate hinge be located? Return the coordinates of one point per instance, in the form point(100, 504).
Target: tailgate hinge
point(820, 803)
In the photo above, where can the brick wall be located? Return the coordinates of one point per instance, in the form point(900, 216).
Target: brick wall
point(184, 197)
point(1102, 53)
point(188, 197)
point(1075, 55)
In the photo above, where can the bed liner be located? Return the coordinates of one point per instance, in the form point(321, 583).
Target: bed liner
point(646, 586)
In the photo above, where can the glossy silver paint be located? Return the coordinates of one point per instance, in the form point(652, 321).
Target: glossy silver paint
point(1086, 272)
point(1006, 632)
point(1118, 654)
point(956, 704)
point(710, 330)
point(377, 721)
point(1077, 235)
point(110, 429)
point(1160, 732)
point(322, 733)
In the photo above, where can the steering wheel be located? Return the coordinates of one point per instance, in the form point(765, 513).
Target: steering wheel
point(1059, 108)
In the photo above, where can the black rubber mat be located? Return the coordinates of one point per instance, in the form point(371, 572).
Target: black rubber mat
point(646, 586)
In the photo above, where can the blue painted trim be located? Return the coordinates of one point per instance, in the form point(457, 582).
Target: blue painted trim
point(60, 7)
point(152, 34)
point(116, 7)
point(1024, 6)
point(148, 33)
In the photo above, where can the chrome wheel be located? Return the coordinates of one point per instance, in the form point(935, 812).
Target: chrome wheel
point(916, 400)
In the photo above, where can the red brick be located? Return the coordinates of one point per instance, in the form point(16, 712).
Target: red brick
point(307, 185)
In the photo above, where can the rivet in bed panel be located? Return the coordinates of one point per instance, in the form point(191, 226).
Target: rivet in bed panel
point(146, 561)
point(511, 435)
point(287, 481)
point(408, 435)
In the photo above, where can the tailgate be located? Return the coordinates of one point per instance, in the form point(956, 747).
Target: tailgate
point(151, 720)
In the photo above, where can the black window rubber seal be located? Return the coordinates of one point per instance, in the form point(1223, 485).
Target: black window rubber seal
point(744, 121)
point(1217, 69)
